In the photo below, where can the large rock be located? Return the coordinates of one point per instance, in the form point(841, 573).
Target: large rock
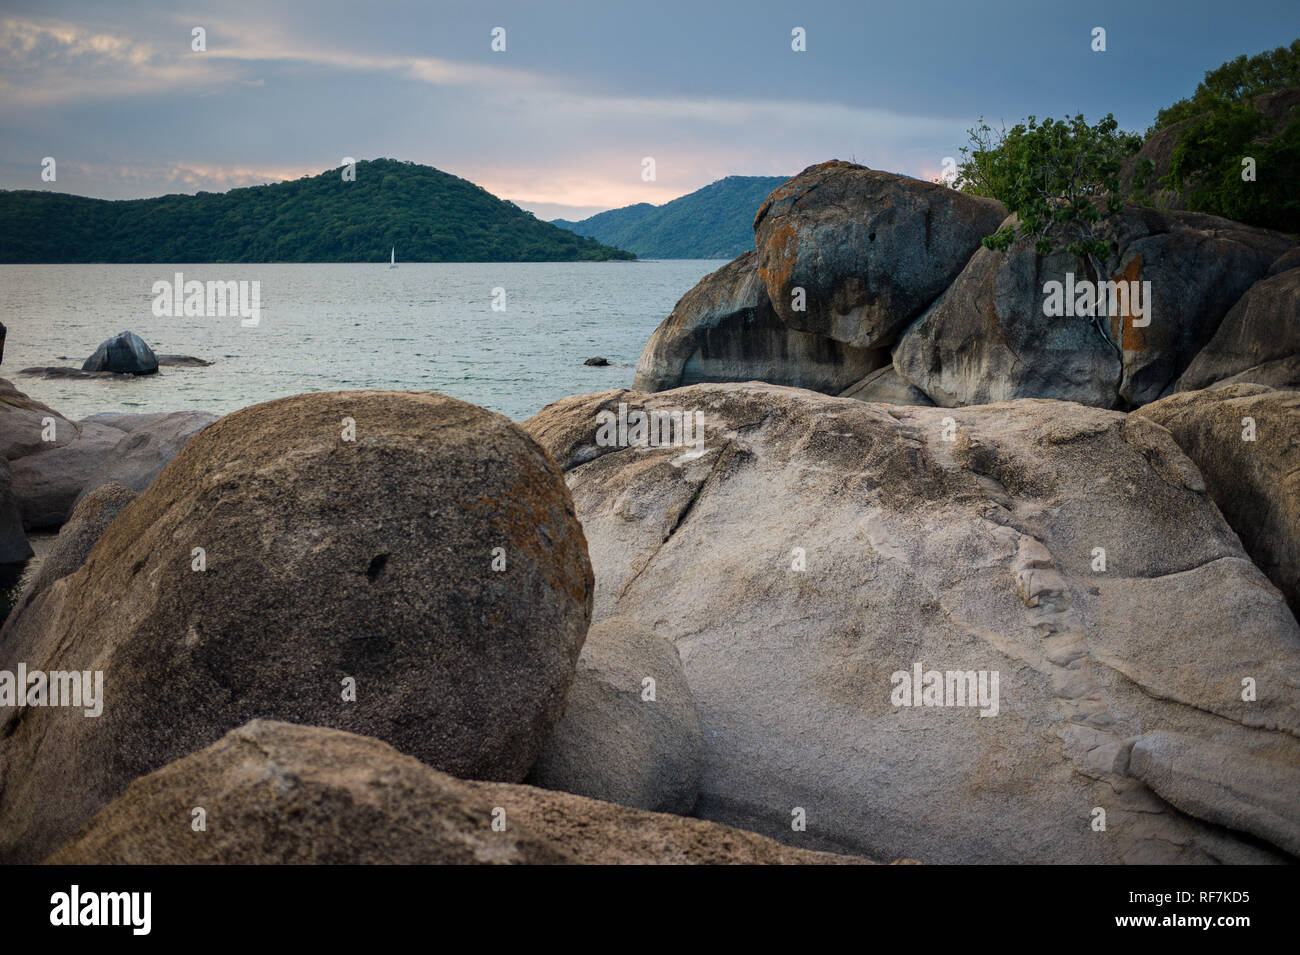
point(1253, 473)
point(90, 518)
point(25, 423)
point(724, 329)
point(137, 459)
point(14, 546)
point(621, 740)
point(124, 354)
point(887, 386)
point(869, 249)
point(1283, 373)
point(274, 793)
point(1219, 784)
point(48, 483)
point(988, 338)
point(1263, 327)
point(347, 583)
point(820, 545)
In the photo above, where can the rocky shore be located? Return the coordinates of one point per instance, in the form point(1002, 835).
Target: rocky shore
point(875, 561)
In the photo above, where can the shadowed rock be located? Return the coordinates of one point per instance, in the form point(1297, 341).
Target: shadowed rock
point(989, 338)
point(869, 249)
point(274, 793)
point(1263, 327)
point(345, 579)
point(616, 744)
point(724, 329)
point(124, 354)
point(1255, 482)
point(92, 515)
point(885, 385)
point(14, 546)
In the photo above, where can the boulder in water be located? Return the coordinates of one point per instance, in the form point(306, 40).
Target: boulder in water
point(125, 354)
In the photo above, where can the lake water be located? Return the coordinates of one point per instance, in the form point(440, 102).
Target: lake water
point(329, 327)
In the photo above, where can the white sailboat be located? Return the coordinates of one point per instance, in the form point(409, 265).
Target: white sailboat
point(392, 258)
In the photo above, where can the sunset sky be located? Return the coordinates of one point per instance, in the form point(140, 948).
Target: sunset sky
point(561, 120)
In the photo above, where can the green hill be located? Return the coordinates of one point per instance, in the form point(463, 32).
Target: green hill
point(429, 215)
point(716, 222)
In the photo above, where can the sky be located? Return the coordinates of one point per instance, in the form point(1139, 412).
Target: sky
point(561, 120)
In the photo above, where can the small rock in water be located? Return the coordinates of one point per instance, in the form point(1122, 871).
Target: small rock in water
point(187, 361)
point(597, 362)
point(126, 354)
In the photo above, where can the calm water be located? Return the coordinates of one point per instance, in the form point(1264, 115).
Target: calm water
point(329, 327)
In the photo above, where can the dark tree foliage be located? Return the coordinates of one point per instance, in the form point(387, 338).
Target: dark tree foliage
point(430, 216)
point(1236, 81)
point(1058, 176)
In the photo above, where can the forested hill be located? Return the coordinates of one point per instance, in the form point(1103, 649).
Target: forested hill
point(716, 222)
point(429, 215)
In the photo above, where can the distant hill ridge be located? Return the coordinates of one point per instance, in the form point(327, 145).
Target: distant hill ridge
point(716, 222)
point(429, 215)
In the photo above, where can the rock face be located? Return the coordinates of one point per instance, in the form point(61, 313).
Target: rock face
point(989, 339)
point(1263, 327)
point(886, 386)
point(124, 354)
point(139, 457)
point(275, 793)
point(724, 329)
point(614, 743)
point(78, 536)
point(821, 549)
point(1253, 474)
point(349, 542)
point(870, 249)
point(1284, 374)
point(14, 546)
point(23, 421)
point(48, 483)
point(1218, 784)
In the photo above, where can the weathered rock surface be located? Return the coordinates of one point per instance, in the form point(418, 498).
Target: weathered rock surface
point(885, 385)
point(138, 458)
point(1256, 482)
point(125, 354)
point(614, 743)
point(724, 329)
point(14, 546)
point(988, 339)
point(870, 249)
point(326, 561)
point(48, 482)
point(1284, 374)
point(22, 421)
point(1287, 260)
point(971, 554)
point(1263, 327)
point(278, 793)
point(1218, 784)
point(92, 515)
